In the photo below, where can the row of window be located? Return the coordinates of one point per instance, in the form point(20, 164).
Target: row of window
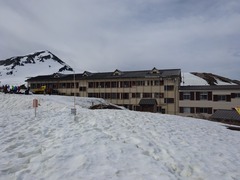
point(207, 96)
point(126, 95)
point(188, 110)
point(54, 85)
point(124, 84)
point(195, 95)
point(120, 84)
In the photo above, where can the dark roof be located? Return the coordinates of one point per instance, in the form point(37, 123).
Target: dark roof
point(213, 87)
point(148, 102)
point(55, 76)
point(223, 114)
point(135, 74)
point(113, 75)
point(236, 81)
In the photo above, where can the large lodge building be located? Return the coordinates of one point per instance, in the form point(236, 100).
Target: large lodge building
point(149, 90)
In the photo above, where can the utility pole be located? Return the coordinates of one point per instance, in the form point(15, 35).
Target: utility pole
point(73, 110)
point(74, 80)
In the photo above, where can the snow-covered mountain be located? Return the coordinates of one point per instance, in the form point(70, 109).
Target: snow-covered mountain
point(16, 70)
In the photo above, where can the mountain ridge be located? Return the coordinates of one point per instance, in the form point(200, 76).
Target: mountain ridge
point(41, 62)
point(30, 59)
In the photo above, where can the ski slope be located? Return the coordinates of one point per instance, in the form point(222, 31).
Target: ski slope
point(109, 144)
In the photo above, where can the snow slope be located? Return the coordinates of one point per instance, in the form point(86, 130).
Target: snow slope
point(189, 79)
point(109, 144)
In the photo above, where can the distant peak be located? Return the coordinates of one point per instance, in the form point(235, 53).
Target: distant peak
point(45, 58)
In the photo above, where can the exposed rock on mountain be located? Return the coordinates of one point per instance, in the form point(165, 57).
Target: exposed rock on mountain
point(32, 59)
point(39, 63)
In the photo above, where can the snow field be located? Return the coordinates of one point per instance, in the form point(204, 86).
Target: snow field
point(109, 144)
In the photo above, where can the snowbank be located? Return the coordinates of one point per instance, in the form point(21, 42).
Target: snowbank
point(109, 144)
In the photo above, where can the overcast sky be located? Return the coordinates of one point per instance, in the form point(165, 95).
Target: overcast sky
point(104, 35)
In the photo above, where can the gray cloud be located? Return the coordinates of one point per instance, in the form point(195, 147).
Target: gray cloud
point(139, 34)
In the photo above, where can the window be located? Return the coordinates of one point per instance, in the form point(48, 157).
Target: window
point(147, 95)
point(93, 95)
point(125, 96)
point(235, 95)
point(186, 96)
point(115, 96)
point(114, 84)
point(76, 85)
point(91, 84)
point(62, 85)
point(140, 83)
point(68, 85)
point(150, 83)
point(133, 83)
point(102, 84)
point(159, 109)
point(169, 88)
point(186, 110)
point(107, 84)
point(55, 86)
point(107, 95)
point(82, 88)
point(203, 96)
point(124, 84)
point(97, 85)
point(135, 95)
point(102, 95)
point(204, 110)
point(158, 95)
point(33, 86)
point(168, 100)
point(221, 98)
point(158, 82)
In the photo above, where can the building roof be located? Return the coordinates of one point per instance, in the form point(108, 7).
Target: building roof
point(148, 102)
point(55, 76)
point(223, 114)
point(200, 79)
point(213, 87)
point(117, 74)
point(135, 74)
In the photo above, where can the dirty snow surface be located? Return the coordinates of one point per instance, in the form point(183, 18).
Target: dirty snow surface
point(109, 144)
